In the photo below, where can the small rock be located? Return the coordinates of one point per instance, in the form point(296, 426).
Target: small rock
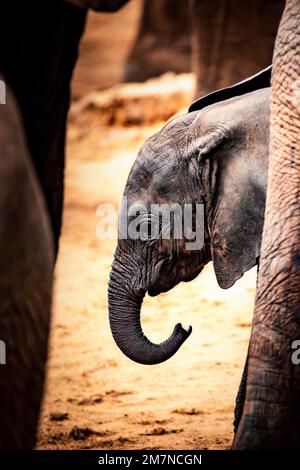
point(79, 434)
point(59, 416)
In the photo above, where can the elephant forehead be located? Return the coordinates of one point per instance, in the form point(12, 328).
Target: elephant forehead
point(172, 135)
point(151, 171)
point(159, 190)
point(155, 164)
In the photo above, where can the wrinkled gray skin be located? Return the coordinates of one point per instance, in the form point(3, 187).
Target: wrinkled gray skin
point(26, 253)
point(217, 156)
point(271, 413)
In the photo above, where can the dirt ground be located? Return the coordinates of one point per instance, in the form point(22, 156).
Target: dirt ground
point(95, 397)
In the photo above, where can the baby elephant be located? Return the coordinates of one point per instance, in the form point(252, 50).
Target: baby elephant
point(216, 158)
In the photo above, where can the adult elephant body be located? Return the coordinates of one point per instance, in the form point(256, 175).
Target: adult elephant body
point(271, 414)
point(221, 41)
point(163, 41)
point(26, 253)
point(38, 51)
point(231, 40)
point(216, 157)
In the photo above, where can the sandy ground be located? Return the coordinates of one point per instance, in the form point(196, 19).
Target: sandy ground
point(95, 397)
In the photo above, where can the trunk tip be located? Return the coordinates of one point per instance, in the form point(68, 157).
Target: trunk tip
point(179, 330)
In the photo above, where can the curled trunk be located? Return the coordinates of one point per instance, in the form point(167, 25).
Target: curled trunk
point(124, 317)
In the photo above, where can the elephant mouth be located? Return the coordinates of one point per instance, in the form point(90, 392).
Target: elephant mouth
point(153, 291)
point(161, 285)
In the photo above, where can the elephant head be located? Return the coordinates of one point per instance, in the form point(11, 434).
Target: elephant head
point(217, 158)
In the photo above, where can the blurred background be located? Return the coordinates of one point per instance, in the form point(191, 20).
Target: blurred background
point(136, 69)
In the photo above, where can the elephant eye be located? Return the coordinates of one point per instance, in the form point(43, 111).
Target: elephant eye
point(145, 230)
point(150, 228)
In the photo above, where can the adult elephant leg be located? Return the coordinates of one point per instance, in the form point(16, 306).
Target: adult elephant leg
point(38, 50)
point(26, 253)
point(241, 395)
point(240, 398)
point(231, 42)
point(163, 41)
point(271, 416)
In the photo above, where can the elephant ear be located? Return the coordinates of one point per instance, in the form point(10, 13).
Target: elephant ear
point(235, 202)
point(236, 237)
point(262, 79)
